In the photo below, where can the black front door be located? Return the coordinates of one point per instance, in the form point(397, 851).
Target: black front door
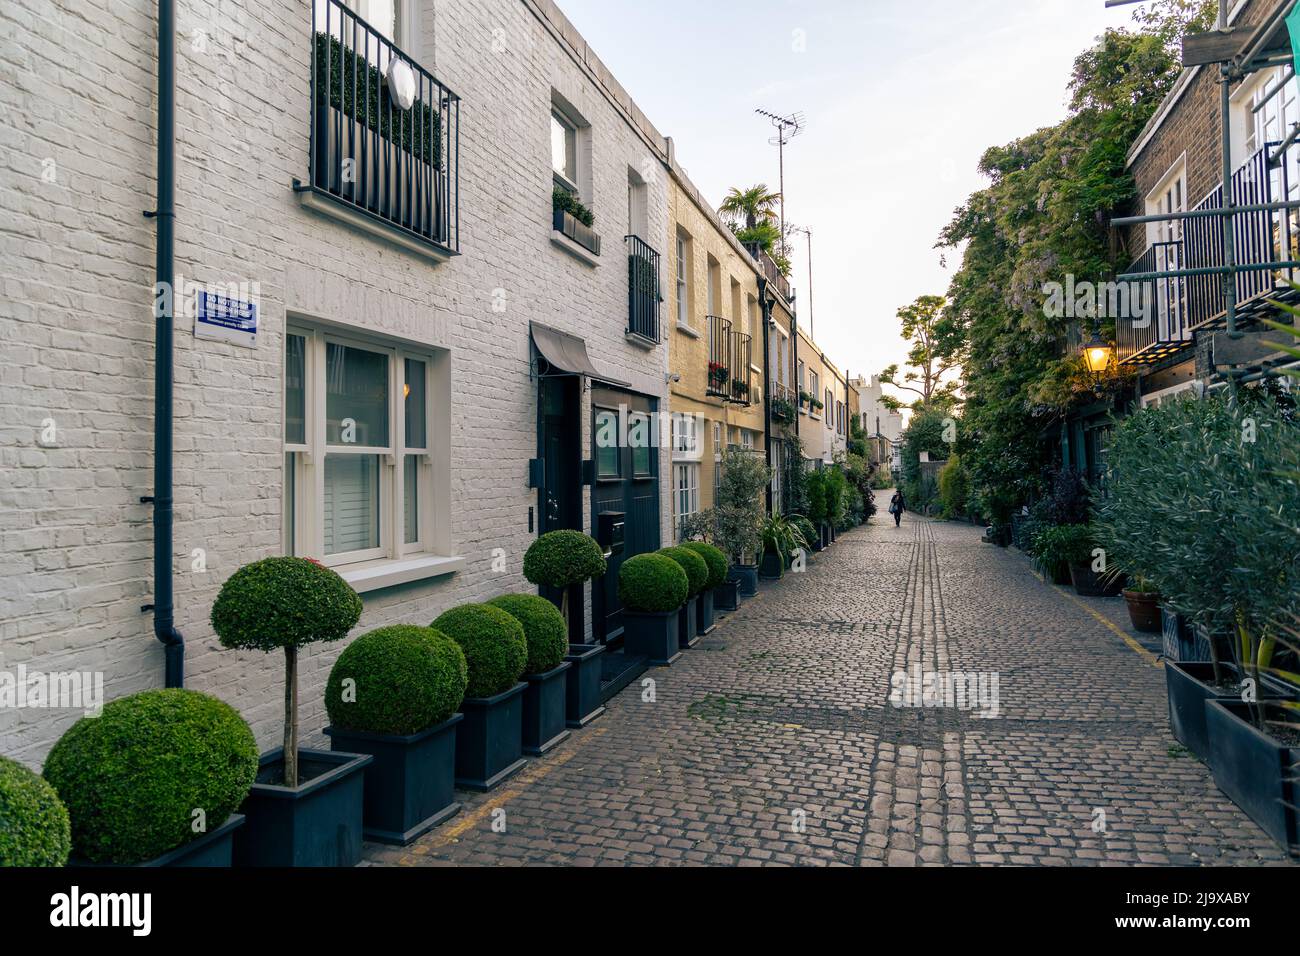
point(625, 450)
point(560, 496)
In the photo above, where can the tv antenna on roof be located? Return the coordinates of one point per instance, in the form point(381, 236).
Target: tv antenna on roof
point(787, 128)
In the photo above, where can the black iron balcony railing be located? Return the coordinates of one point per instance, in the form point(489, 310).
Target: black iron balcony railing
point(1260, 237)
point(741, 351)
point(395, 166)
point(643, 290)
point(767, 265)
point(1153, 324)
point(719, 380)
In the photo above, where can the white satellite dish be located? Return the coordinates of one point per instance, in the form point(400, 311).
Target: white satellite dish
point(401, 83)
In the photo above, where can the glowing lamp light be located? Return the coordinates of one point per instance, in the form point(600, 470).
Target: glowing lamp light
point(1097, 354)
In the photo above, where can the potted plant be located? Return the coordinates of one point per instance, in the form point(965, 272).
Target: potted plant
point(489, 741)
point(1056, 547)
point(716, 562)
point(544, 701)
point(155, 780)
point(739, 512)
point(563, 560)
point(305, 808)
point(782, 539)
point(652, 589)
point(34, 827)
point(697, 579)
point(574, 220)
point(393, 693)
point(718, 376)
point(1143, 601)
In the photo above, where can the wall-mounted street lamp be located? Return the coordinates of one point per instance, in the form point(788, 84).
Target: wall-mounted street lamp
point(1097, 353)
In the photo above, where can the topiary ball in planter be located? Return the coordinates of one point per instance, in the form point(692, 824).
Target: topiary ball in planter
point(496, 650)
point(714, 558)
point(397, 681)
point(652, 584)
point(697, 572)
point(544, 630)
point(284, 602)
point(134, 777)
point(559, 559)
point(34, 828)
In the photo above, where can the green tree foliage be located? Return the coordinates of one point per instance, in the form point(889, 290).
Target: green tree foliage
point(938, 344)
point(927, 431)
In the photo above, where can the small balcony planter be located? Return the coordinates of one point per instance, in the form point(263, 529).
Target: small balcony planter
point(410, 785)
point(704, 613)
point(316, 823)
point(1144, 610)
point(582, 702)
point(726, 596)
point(489, 741)
point(564, 223)
point(1256, 769)
point(393, 694)
point(1088, 583)
point(653, 589)
point(687, 629)
point(544, 726)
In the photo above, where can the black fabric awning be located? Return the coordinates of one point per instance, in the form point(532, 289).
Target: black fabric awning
point(567, 354)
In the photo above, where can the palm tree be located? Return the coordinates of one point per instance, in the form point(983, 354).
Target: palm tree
point(756, 203)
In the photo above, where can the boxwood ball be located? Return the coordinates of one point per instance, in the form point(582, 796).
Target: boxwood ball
point(34, 828)
point(396, 680)
point(544, 629)
point(697, 572)
point(496, 650)
point(714, 558)
point(652, 584)
point(560, 558)
point(284, 602)
point(134, 778)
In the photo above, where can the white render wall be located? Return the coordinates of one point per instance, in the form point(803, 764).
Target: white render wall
point(78, 102)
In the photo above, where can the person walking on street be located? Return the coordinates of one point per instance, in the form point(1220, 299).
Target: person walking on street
point(897, 506)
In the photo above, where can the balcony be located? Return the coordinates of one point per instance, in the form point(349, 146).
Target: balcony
point(1154, 326)
point(719, 373)
point(767, 265)
point(642, 292)
point(389, 170)
point(784, 402)
point(740, 354)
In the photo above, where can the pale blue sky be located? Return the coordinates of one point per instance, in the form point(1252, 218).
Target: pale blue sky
point(901, 97)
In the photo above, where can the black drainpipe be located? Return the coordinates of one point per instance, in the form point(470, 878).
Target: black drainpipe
point(163, 608)
point(766, 302)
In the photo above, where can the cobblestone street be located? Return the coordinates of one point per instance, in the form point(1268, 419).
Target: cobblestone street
point(774, 740)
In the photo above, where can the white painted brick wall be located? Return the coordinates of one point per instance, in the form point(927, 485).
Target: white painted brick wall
point(77, 87)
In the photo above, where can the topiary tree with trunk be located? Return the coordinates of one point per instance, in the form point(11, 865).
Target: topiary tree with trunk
point(561, 559)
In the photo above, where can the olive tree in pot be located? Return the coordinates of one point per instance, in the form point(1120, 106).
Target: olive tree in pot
point(154, 780)
point(305, 808)
point(544, 726)
point(34, 827)
point(716, 562)
point(489, 741)
point(697, 579)
point(739, 509)
point(564, 560)
point(393, 693)
point(652, 588)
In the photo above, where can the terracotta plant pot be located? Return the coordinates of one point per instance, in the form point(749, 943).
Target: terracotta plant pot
point(1144, 610)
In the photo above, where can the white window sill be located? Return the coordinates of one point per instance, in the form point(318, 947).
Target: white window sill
point(687, 330)
point(579, 252)
point(387, 573)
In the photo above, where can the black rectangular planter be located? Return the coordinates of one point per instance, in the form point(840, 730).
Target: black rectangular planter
point(704, 613)
point(214, 849)
point(1256, 771)
point(544, 704)
point(1088, 583)
point(582, 702)
point(410, 785)
point(489, 741)
point(726, 596)
point(652, 636)
point(686, 618)
point(747, 576)
point(582, 234)
point(1188, 686)
point(317, 823)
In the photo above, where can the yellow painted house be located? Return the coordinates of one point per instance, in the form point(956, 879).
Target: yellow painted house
point(714, 329)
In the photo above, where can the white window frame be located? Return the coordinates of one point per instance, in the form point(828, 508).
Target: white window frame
point(683, 281)
point(686, 491)
point(1168, 196)
point(304, 483)
point(829, 410)
point(571, 128)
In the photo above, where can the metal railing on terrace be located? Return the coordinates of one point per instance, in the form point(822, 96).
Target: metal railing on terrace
point(767, 265)
point(643, 290)
point(1155, 325)
point(719, 372)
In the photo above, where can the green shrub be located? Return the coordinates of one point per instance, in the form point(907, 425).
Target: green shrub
point(697, 572)
point(817, 496)
point(652, 584)
point(559, 559)
point(134, 777)
point(1058, 546)
point(284, 602)
point(34, 828)
point(806, 528)
point(562, 199)
point(544, 629)
point(404, 679)
point(714, 558)
point(496, 650)
point(954, 488)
